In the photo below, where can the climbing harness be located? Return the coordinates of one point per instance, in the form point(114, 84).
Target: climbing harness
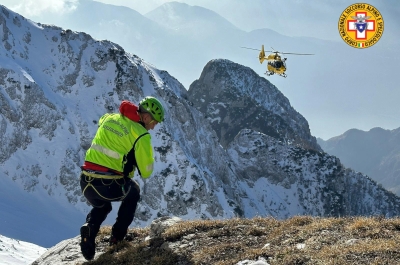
point(90, 176)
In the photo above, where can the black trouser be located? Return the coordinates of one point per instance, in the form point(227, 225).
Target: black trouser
point(101, 192)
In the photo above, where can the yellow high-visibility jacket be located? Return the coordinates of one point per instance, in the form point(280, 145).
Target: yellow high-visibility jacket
point(122, 145)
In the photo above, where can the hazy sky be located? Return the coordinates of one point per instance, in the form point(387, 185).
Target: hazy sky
point(311, 18)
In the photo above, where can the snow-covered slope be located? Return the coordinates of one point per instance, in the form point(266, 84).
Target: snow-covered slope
point(16, 252)
point(324, 88)
point(35, 216)
point(111, 22)
point(287, 180)
point(54, 86)
point(280, 168)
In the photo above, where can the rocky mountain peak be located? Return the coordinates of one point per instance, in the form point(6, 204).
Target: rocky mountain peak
point(230, 146)
point(234, 97)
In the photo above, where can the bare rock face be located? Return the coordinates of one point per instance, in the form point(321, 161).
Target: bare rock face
point(216, 152)
point(68, 251)
point(159, 225)
point(306, 178)
point(234, 97)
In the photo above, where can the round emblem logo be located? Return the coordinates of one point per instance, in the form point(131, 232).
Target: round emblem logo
point(361, 25)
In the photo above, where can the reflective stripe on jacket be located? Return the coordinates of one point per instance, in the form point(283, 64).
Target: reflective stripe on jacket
point(115, 139)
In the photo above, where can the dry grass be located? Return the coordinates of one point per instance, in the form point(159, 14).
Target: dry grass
point(295, 241)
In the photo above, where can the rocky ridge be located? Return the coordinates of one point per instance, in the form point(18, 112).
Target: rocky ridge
point(257, 241)
point(57, 83)
point(234, 97)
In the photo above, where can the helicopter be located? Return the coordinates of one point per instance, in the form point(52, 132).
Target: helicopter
point(275, 63)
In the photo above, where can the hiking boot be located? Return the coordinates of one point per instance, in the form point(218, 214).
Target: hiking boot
point(114, 240)
point(117, 234)
point(88, 245)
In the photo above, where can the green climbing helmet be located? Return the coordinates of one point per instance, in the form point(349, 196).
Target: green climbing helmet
point(154, 107)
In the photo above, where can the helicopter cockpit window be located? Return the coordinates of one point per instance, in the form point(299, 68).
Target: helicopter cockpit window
point(278, 64)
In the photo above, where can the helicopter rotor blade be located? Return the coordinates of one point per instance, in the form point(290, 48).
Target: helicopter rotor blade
point(297, 53)
point(250, 48)
point(274, 51)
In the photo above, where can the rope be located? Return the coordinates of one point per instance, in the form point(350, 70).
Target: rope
point(89, 177)
point(101, 176)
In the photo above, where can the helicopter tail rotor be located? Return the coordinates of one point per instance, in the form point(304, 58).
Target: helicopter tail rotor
point(261, 56)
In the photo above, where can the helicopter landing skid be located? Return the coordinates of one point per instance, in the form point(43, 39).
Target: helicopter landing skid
point(269, 73)
point(283, 75)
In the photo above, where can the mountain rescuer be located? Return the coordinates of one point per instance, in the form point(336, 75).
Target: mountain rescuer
point(121, 144)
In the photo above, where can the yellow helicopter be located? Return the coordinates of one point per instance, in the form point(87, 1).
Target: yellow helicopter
point(275, 63)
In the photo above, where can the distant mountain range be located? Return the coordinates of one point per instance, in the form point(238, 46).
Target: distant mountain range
point(182, 39)
point(375, 152)
point(215, 156)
